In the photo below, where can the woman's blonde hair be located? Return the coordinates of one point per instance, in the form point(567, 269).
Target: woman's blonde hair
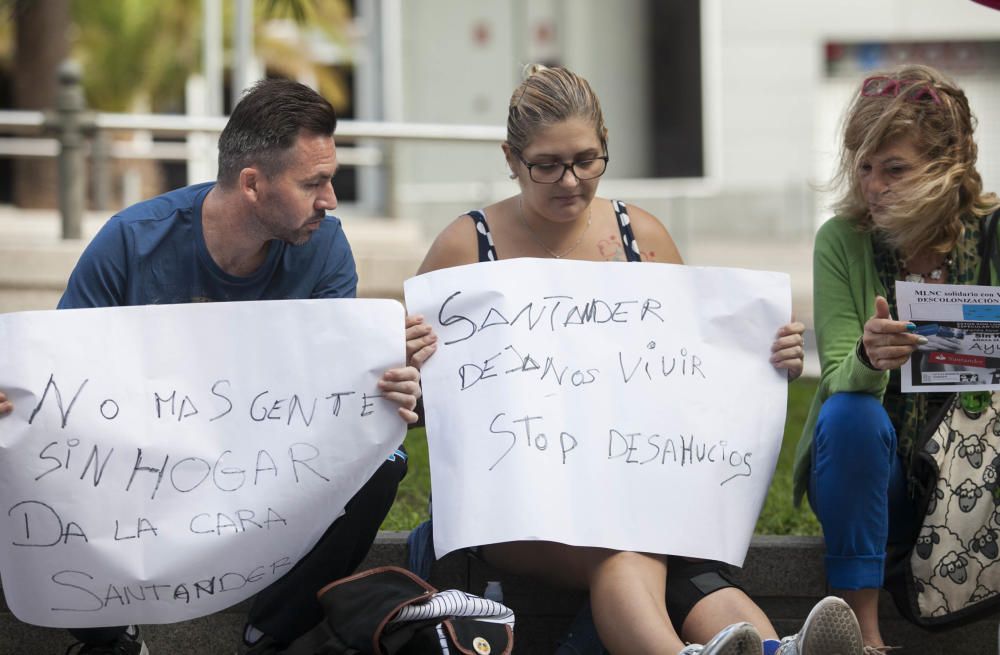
point(927, 208)
point(548, 96)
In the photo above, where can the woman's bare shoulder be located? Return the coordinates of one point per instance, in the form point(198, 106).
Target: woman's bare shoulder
point(655, 242)
point(457, 244)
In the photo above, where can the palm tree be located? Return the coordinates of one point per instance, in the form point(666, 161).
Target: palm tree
point(289, 57)
point(135, 50)
point(141, 49)
point(40, 45)
point(140, 53)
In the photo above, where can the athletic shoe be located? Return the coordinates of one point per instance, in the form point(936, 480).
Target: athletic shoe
point(128, 643)
point(736, 639)
point(830, 629)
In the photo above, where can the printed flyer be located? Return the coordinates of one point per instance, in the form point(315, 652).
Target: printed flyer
point(962, 327)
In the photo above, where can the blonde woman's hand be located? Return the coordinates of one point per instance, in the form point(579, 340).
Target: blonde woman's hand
point(6, 407)
point(421, 342)
point(888, 343)
point(788, 350)
point(942, 344)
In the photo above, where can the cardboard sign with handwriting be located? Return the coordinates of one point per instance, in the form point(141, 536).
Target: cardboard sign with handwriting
point(618, 405)
point(165, 462)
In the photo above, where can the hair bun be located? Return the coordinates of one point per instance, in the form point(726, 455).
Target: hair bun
point(532, 69)
point(548, 95)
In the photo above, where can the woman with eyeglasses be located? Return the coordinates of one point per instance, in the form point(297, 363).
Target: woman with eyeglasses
point(912, 209)
point(556, 149)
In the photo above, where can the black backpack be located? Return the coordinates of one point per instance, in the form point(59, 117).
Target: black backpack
point(360, 611)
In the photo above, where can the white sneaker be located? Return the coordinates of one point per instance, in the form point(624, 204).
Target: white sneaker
point(736, 639)
point(830, 629)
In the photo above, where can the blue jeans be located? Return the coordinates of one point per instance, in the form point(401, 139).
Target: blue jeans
point(858, 489)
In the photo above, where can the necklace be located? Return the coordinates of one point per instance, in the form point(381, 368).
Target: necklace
point(538, 240)
point(935, 274)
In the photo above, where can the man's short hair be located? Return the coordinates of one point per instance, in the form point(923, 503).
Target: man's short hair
point(265, 124)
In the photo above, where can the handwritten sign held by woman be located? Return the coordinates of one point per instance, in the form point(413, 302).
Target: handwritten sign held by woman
point(602, 404)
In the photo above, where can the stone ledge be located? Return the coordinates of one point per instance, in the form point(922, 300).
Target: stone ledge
point(35, 263)
point(783, 574)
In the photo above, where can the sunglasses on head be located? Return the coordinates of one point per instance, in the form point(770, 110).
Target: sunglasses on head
point(880, 86)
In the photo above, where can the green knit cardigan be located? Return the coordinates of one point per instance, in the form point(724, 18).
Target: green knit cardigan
point(845, 284)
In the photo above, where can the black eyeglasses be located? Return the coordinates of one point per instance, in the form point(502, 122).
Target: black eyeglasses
point(550, 173)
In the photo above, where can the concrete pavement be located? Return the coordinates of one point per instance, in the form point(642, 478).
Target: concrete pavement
point(784, 575)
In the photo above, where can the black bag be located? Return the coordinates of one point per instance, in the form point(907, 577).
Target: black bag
point(951, 573)
point(390, 611)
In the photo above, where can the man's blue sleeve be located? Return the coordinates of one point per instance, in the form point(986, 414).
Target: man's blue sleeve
point(99, 278)
point(340, 277)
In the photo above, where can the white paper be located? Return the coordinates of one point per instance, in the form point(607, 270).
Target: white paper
point(602, 404)
point(962, 325)
point(165, 462)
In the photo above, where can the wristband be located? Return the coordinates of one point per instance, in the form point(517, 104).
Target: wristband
point(863, 356)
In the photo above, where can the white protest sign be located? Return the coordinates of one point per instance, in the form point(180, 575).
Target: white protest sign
point(165, 462)
point(602, 404)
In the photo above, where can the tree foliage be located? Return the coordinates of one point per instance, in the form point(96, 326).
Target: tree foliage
point(290, 57)
point(135, 49)
point(143, 51)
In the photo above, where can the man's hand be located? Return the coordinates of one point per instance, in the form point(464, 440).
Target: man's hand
point(421, 342)
point(402, 386)
point(6, 407)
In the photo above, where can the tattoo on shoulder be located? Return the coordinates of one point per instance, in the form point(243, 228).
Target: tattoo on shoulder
point(612, 250)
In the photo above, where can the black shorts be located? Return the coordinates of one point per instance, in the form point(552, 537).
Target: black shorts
point(690, 580)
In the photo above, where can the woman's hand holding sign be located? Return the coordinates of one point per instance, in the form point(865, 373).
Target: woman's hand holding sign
point(788, 350)
point(421, 342)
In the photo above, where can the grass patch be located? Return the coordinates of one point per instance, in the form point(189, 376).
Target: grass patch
point(410, 508)
point(778, 517)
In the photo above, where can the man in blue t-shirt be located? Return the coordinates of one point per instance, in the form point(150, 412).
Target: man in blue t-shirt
point(259, 232)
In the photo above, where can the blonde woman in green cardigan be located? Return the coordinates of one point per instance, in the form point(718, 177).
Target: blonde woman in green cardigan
point(912, 209)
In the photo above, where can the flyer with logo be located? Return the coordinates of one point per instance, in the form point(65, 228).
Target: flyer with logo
point(962, 327)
